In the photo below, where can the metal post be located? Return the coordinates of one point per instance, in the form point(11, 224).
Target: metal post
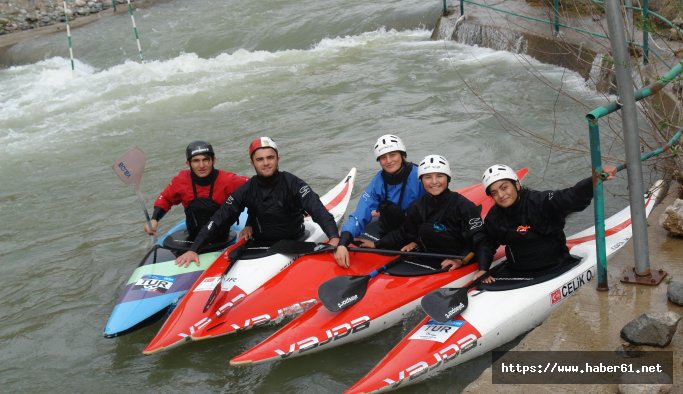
point(598, 205)
point(462, 7)
point(445, 7)
point(622, 66)
point(556, 9)
point(646, 27)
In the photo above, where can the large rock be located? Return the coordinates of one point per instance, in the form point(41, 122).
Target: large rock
point(672, 218)
point(675, 292)
point(654, 328)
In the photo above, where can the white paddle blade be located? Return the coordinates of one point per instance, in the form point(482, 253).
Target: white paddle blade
point(130, 166)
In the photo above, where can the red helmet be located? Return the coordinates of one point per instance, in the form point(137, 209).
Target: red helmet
point(261, 142)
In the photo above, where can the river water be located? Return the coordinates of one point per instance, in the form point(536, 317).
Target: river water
point(324, 79)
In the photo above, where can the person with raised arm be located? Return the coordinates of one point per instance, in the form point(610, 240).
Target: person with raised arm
point(531, 223)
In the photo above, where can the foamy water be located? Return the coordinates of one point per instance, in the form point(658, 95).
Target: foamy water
point(323, 79)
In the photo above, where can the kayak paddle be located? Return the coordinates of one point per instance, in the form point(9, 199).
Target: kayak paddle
point(287, 246)
point(129, 169)
point(233, 255)
point(443, 304)
point(343, 291)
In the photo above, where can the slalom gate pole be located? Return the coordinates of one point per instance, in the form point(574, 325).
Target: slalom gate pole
point(68, 36)
point(135, 31)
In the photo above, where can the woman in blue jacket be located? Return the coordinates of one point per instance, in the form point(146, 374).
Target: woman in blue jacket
point(387, 197)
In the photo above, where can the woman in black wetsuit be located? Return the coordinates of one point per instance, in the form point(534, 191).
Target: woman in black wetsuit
point(531, 223)
point(442, 221)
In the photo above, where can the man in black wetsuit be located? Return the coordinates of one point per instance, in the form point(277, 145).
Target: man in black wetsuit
point(277, 201)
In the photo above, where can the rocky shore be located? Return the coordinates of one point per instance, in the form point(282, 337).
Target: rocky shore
point(19, 15)
point(27, 19)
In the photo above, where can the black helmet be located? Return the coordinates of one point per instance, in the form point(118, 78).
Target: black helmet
point(198, 148)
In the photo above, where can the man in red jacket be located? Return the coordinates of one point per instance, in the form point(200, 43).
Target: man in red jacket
point(202, 189)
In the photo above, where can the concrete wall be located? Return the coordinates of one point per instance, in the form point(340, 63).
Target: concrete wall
point(589, 56)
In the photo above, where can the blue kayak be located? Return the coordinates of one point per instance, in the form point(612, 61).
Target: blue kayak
point(157, 283)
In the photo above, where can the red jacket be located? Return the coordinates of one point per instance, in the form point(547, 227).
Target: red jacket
point(179, 190)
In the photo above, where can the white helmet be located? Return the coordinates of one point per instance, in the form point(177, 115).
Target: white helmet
point(388, 143)
point(495, 173)
point(434, 164)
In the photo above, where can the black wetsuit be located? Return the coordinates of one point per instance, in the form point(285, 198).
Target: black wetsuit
point(448, 223)
point(533, 227)
point(276, 204)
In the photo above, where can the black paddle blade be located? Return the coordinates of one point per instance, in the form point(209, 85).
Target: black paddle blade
point(212, 297)
point(288, 246)
point(233, 256)
point(443, 305)
point(342, 291)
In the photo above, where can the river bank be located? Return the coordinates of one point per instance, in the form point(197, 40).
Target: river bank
point(9, 40)
point(29, 19)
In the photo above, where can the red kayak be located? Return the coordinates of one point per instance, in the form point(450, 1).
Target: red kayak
point(288, 295)
point(389, 297)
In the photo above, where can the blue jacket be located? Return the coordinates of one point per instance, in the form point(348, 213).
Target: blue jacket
point(374, 195)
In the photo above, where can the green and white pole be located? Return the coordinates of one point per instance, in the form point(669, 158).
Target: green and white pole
point(68, 36)
point(135, 31)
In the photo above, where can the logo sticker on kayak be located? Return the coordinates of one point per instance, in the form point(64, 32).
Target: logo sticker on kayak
point(156, 283)
point(336, 333)
point(570, 287)
point(207, 284)
point(437, 332)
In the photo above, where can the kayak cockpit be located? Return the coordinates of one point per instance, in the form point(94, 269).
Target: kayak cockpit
point(509, 279)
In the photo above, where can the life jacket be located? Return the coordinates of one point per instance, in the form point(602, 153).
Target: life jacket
point(437, 234)
point(391, 216)
point(198, 213)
